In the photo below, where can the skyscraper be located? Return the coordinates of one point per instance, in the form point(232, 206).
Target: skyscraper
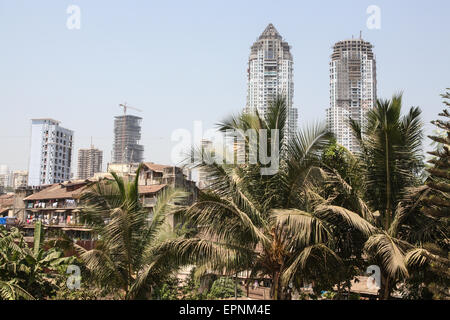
point(353, 89)
point(89, 162)
point(270, 73)
point(50, 153)
point(127, 133)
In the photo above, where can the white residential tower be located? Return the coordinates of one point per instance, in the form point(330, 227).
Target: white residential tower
point(270, 73)
point(50, 153)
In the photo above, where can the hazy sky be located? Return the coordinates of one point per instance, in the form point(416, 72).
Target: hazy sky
point(181, 61)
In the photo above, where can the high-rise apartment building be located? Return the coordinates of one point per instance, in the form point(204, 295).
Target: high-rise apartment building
point(353, 89)
point(127, 133)
point(50, 153)
point(270, 73)
point(89, 162)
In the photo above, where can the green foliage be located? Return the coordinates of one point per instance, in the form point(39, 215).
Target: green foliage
point(354, 296)
point(223, 288)
point(127, 259)
point(65, 293)
point(244, 210)
point(328, 295)
point(191, 288)
point(429, 263)
point(10, 290)
point(169, 290)
point(174, 289)
point(27, 273)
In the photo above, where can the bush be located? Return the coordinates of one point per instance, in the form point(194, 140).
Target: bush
point(223, 288)
point(169, 290)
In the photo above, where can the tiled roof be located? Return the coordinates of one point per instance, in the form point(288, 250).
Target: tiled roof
point(151, 188)
point(6, 200)
point(57, 191)
point(156, 167)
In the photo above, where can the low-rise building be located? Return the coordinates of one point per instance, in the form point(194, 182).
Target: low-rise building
point(124, 170)
point(57, 206)
point(6, 205)
point(154, 178)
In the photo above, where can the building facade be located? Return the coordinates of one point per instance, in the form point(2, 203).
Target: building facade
point(90, 162)
point(270, 74)
point(5, 176)
point(19, 179)
point(127, 134)
point(50, 153)
point(58, 208)
point(353, 89)
point(155, 178)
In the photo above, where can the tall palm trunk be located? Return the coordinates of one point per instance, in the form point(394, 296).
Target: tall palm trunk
point(386, 287)
point(278, 292)
point(388, 183)
point(276, 286)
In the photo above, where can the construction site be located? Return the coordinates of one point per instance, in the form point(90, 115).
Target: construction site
point(127, 134)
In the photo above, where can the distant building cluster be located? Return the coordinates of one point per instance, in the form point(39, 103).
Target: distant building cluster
point(10, 180)
point(48, 191)
point(353, 92)
point(353, 87)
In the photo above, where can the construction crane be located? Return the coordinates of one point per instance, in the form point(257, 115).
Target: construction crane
point(125, 107)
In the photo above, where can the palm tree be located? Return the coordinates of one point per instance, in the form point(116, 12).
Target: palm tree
point(391, 162)
point(124, 257)
point(269, 224)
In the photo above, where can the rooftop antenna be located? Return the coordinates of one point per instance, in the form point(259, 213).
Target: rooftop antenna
point(360, 34)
